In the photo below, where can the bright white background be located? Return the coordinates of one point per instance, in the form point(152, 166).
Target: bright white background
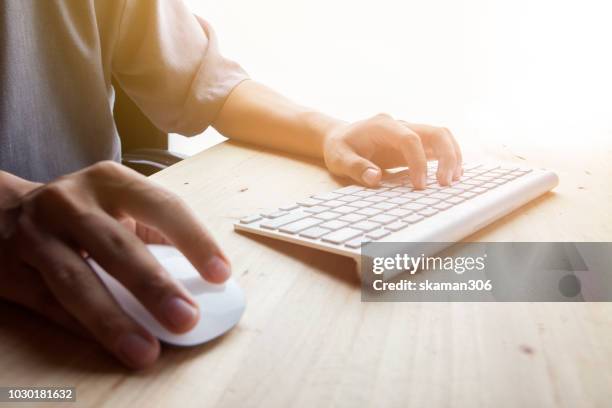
point(482, 68)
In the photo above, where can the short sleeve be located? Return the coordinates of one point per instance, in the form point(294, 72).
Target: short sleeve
point(168, 61)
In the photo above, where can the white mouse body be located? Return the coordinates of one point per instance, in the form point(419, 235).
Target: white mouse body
point(221, 306)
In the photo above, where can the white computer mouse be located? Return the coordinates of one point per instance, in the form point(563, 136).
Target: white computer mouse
point(221, 306)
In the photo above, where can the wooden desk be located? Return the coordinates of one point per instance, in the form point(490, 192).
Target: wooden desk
point(307, 340)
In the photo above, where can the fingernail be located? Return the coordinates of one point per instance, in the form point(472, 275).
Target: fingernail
point(179, 313)
point(137, 350)
point(370, 176)
point(217, 269)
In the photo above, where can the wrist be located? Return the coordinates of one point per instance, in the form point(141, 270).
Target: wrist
point(12, 188)
point(323, 127)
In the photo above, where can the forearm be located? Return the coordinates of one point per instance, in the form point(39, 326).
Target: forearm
point(254, 113)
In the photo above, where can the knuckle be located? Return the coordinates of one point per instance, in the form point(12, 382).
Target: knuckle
point(112, 326)
point(54, 196)
point(53, 193)
point(61, 274)
point(106, 168)
point(411, 137)
point(382, 117)
point(155, 283)
point(356, 166)
point(444, 131)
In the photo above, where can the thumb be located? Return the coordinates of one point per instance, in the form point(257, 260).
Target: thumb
point(360, 169)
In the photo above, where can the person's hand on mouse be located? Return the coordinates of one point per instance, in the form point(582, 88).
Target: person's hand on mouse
point(362, 149)
point(108, 212)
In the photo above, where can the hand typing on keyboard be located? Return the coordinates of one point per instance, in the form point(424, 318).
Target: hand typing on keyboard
point(362, 149)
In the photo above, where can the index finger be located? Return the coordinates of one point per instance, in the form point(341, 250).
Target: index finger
point(161, 209)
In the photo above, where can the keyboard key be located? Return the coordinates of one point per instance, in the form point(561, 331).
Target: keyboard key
point(375, 199)
point(428, 212)
point(333, 203)
point(384, 206)
point(428, 201)
point(366, 225)
point(383, 218)
point(359, 204)
point(349, 198)
point(344, 209)
point(334, 224)
point(352, 217)
point(455, 200)
point(314, 232)
point(274, 214)
point(364, 193)
point(289, 207)
point(250, 219)
point(356, 243)
point(316, 209)
point(378, 234)
point(478, 190)
point(396, 226)
point(413, 195)
point(473, 182)
point(326, 196)
point(441, 196)
point(342, 235)
point(286, 219)
point(489, 185)
point(414, 218)
point(399, 212)
point(300, 225)
point(467, 195)
point(413, 206)
point(349, 190)
point(442, 206)
point(368, 212)
point(398, 200)
point(454, 189)
point(327, 215)
point(309, 202)
point(484, 179)
point(390, 194)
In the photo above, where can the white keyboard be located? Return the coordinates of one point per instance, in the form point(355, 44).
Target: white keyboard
point(341, 220)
